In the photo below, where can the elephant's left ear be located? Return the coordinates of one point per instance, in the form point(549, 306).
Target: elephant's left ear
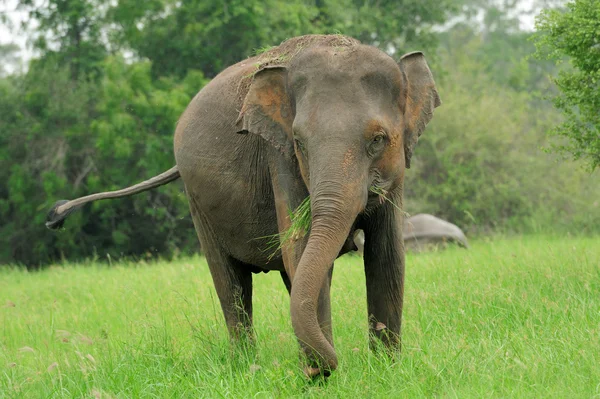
point(419, 100)
point(266, 110)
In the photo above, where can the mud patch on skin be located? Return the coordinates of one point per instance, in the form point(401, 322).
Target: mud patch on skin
point(282, 55)
point(372, 128)
point(390, 161)
point(273, 103)
point(396, 139)
point(347, 162)
point(391, 131)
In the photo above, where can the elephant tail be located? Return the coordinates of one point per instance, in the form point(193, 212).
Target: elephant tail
point(63, 208)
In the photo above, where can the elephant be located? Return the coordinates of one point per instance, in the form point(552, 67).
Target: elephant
point(323, 116)
point(423, 231)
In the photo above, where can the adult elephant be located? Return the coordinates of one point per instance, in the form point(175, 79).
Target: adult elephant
point(319, 115)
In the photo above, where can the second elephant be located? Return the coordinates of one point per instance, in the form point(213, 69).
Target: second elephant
point(422, 232)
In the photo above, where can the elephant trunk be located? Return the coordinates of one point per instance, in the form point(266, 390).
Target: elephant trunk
point(336, 201)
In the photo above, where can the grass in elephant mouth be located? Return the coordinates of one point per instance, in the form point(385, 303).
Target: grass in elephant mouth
point(301, 219)
point(300, 226)
point(383, 196)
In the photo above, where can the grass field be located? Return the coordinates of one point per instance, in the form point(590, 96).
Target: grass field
point(513, 317)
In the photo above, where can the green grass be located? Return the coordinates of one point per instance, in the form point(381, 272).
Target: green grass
point(300, 219)
point(512, 317)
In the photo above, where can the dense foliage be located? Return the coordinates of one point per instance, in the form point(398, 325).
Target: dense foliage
point(575, 33)
point(63, 138)
point(96, 108)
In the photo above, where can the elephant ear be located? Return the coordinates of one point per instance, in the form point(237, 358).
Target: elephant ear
point(420, 99)
point(266, 110)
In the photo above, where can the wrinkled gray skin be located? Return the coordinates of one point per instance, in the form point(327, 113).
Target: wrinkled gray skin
point(423, 231)
point(331, 118)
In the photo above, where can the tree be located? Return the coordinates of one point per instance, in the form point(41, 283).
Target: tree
point(574, 34)
point(69, 29)
point(209, 36)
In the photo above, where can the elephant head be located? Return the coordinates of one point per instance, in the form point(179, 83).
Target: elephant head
point(351, 117)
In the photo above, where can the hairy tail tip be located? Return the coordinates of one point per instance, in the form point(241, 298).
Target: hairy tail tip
point(55, 220)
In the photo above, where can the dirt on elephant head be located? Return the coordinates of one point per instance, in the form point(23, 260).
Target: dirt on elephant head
point(286, 51)
point(282, 55)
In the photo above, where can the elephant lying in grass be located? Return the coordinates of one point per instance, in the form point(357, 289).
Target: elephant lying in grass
point(422, 232)
point(319, 115)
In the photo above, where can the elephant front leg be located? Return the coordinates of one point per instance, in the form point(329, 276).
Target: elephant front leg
point(384, 271)
point(233, 284)
point(232, 280)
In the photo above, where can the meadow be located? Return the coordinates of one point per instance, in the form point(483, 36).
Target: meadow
point(510, 317)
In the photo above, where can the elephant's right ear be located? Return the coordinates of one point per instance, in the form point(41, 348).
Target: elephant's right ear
point(267, 110)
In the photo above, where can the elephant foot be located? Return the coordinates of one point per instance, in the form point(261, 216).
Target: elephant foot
point(315, 372)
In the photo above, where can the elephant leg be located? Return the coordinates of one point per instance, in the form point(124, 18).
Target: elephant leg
point(287, 282)
point(384, 272)
point(232, 279)
point(233, 283)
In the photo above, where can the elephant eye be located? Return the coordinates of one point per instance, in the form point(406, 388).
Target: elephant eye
point(378, 140)
point(376, 145)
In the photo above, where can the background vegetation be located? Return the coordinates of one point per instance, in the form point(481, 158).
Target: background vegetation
point(95, 109)
point(574, 33)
